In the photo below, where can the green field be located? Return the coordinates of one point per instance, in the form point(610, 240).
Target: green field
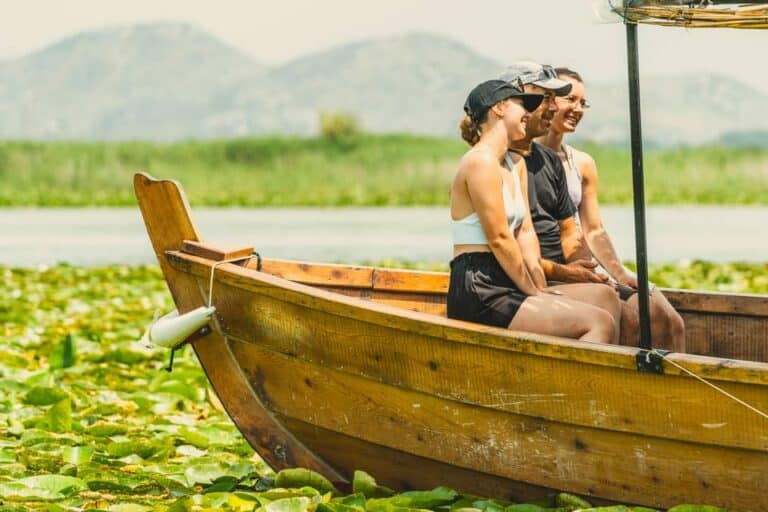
point(89, 420)
point(367, 170)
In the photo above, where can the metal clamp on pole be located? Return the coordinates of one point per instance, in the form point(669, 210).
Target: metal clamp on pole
point(650, 361)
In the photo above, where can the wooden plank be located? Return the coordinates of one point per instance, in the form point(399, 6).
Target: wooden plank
point(716, 302)
point(560, 390)
point(626, 467)
point(215, 252)
point(727, 336)
point(318, 274)
point(404, 471)
point(168, 222)
point(410, 281)
point(260, 284)
point(422, 303)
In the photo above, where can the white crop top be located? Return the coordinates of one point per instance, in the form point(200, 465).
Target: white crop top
point(469, 231)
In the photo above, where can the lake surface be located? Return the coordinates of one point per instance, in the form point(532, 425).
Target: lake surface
point(98, 236)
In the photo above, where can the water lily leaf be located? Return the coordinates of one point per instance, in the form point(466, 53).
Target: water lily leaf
point(43, 487)
point(301, 477)
point(337, 507)
point(696, 508)
point(204, 473)
point(128, 507)
point(352, 500)
point(524, 507)
point(105, 429)
point(438, 496)
point(63, 354)
point(297, 504)
point(364, 484)
point(570, 501)
point(42, 395)
point(60, 416)
point(194, 438)
point(143, 448)
point(7, 455)
point(489, 505)
point(387, 505)
point(224, 483)
point(77, 454)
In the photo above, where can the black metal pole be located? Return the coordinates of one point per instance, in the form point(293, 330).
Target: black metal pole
point(638, 184)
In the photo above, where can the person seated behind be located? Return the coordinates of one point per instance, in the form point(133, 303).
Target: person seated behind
point(562, 251)
point(495, 275)
point(667, 326)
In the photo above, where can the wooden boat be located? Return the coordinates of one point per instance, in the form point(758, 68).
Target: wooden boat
point(337, 368)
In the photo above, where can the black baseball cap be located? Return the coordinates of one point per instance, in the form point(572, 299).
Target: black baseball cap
point(490, 92)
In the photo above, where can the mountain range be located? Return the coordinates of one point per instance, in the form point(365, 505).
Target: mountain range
point(171, 81)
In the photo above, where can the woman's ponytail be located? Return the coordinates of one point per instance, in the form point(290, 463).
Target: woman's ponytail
point(470, 130)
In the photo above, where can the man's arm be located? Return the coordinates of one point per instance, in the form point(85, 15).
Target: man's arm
point(572, 241)
point(578, 271)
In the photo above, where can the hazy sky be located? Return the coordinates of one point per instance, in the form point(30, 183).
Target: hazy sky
point(560, 32)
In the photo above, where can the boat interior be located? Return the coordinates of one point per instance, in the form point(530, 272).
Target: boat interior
point(723, 325)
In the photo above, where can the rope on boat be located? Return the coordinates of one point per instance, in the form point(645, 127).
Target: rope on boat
point(232, 260)
point(715, 387)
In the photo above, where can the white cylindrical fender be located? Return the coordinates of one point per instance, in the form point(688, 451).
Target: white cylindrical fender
point(172, 329)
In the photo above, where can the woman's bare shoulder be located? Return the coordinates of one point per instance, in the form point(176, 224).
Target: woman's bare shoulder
point(585, 163)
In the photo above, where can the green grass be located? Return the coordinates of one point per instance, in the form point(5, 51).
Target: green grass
point(368, 170)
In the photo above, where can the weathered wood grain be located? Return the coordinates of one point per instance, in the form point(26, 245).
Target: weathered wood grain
point(628, 467)
point(168, 223)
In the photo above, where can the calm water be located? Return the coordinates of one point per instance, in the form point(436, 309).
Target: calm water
point(90, 236)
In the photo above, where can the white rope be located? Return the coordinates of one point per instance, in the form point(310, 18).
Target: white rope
point(716, 388)
point(213, 268)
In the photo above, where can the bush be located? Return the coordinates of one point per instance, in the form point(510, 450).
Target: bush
point(339, 127)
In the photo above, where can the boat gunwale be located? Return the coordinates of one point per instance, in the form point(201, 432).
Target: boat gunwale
point(617, 356)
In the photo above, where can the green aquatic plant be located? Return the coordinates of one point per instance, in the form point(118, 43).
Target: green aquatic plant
point(90, 420)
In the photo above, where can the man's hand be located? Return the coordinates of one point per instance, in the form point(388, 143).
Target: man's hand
point(581, 271)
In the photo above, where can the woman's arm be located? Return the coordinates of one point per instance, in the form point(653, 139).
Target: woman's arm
point(526, 236)
point(484, 187)
point(592, 224)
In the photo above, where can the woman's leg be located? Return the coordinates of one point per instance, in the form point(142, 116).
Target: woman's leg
point(667, 326)
point(562, 316)
point(599, 295)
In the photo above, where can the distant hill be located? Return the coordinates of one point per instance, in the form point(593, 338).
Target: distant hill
point(173, 81)
point(146, 81)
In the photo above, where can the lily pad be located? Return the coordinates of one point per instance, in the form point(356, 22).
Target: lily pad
point(301, 477)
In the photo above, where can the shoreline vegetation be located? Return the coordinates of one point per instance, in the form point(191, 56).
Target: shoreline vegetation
point(90, 420)
point(356, 170)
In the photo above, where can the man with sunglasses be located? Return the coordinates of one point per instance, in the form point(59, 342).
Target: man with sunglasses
point(565, 256)
point(564, 253)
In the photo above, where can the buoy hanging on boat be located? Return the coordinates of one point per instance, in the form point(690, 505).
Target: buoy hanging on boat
point(172, 330)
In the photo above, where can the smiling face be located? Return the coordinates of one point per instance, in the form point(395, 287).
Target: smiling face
point(542, 117)
point(514, 116)
point(570, 107)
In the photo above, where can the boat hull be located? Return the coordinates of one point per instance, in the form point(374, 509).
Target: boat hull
point(352, 379)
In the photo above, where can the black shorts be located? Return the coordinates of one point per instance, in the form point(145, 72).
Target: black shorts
point(480, 291)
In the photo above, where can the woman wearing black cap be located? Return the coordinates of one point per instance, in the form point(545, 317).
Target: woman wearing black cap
point(496, 278)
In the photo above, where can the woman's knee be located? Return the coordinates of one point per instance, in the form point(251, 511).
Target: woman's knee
point(608, 299)
point(601, 324)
